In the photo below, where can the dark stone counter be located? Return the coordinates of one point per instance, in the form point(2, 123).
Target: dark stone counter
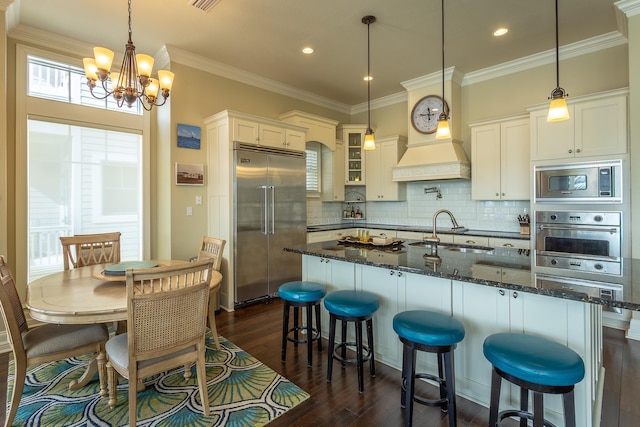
point(471, 267)
point(361, 224)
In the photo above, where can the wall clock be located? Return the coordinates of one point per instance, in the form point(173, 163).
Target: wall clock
point(424, 116)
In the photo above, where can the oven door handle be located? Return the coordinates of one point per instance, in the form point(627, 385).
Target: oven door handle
point(612, 230)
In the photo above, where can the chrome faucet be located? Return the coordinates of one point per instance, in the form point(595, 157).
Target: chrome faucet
point(434, 239)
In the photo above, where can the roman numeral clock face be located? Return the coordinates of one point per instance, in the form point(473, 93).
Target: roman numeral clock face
point(424, 116)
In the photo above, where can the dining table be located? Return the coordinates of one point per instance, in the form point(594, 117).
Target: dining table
point(85, 295)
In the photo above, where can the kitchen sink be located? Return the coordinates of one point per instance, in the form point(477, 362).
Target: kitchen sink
point(455, 248)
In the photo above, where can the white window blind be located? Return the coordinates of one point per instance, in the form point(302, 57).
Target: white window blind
point(313, 168)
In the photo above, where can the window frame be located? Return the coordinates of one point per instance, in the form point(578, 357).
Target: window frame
point(29, 107)
point(315, 150)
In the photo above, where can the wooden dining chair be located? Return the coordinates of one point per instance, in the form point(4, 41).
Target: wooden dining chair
point(212, 248)
point(46, 343)
point(166, 328)
point(89, 249)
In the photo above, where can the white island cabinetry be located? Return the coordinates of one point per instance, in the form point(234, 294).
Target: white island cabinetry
point(483, 310)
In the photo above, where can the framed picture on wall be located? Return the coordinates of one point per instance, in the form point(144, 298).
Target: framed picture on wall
point(189, 174)
point(188, 136)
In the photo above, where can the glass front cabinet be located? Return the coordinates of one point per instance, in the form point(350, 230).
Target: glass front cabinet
point(353, 137)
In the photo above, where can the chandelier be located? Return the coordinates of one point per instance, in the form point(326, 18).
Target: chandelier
point(133, 82)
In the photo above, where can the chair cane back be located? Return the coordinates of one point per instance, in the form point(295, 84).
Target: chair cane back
point(90, 249)
point(212, 248)
point(46, 343)
point(166, 328)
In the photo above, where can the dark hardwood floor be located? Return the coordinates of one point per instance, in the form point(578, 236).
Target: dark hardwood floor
point(257, 329)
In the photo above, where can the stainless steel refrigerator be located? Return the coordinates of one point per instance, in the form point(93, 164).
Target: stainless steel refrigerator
point(270, 213)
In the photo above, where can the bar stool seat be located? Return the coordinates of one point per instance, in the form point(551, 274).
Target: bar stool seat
point(432, 332)
point(299, 294)
point(535, 364)
point(356, 307)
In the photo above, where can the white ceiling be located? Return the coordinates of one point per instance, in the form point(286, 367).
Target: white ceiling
point(265, 37)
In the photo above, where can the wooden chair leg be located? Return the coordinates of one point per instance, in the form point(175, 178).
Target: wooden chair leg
point(568, 402)
point(112, 379)
point(16, 393)
point(309, 309)
point(201, 371)
point(212, 321)
point(102, 371)
point(133, 397)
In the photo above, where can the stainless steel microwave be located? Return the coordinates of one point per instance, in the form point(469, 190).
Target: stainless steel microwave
point(580, 182)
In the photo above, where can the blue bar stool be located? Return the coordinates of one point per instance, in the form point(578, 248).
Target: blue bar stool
point(536, 364)
point(301, 294)
point(357, 307)
point(431, 332)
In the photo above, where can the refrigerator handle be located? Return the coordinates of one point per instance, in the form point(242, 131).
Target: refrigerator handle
point(273, 210)
point(265, 212)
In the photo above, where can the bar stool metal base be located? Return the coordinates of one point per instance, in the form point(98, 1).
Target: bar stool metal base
point(537, 416)
point(363, 353)
point(445, 380)
point(312, 334)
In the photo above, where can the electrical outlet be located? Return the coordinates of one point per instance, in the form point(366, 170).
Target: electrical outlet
point(189, 211)
point(198, 200)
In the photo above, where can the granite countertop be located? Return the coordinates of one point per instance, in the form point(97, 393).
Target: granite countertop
point(468, 267)
point(485, 233)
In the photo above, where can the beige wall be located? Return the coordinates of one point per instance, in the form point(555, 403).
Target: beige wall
point(197, 95)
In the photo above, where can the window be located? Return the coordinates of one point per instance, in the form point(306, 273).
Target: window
point(65, 83)
point(81, 180)
point(314, 167)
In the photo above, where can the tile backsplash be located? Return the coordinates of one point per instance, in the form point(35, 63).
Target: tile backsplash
point(419, 208)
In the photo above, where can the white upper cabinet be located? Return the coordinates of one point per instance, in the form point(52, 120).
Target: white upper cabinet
point(500, 160)
point(333, 173)
point(319, 129)
point(597, 127)
point(380, 163)
point(353, 137)
point(268, 134)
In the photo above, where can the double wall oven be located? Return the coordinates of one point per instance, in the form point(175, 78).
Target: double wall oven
point(579, 227)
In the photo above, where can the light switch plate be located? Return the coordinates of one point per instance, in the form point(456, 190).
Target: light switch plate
point(189, 211)
point(198, 200)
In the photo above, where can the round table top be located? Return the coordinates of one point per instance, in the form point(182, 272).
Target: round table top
point(83, 295)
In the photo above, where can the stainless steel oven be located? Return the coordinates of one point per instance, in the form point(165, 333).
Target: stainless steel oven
point(582, 241)
point(596, 182)
point(600, 290)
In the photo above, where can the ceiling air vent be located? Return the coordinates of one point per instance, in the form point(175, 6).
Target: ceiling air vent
point(205, 5)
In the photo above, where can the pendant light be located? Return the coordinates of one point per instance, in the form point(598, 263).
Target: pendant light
point(558, 110)
point(369, 139)
point(442, 131)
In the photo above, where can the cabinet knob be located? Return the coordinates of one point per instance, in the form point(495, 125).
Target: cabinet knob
point(391, 272)
point(471, 242)
point(501, 292)
point(578, 150)
point(515, 295)
point(570, 151)
point(497, 194)
point(503, 194)
point(399, 273)
point(508, 245)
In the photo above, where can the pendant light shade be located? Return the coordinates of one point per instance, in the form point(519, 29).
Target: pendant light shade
point(558, 110)
point(443, 131)
point(369, 139)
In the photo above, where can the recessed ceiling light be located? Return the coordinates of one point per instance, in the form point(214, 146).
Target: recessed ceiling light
point(367, 78)
point(500, 32)
point(307, 50)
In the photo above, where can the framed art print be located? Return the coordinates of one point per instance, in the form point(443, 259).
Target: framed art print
point(189, 174)
point(188, 136)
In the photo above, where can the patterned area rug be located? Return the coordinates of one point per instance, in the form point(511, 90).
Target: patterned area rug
point(242, 392)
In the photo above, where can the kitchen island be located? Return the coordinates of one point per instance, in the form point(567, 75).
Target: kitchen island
point(489, 291)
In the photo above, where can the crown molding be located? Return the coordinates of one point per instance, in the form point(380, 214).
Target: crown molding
point(385, 101)
point(625, 9)
point(223, 70)
point(583, 47)
point(4, 4)
point(450, 74)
